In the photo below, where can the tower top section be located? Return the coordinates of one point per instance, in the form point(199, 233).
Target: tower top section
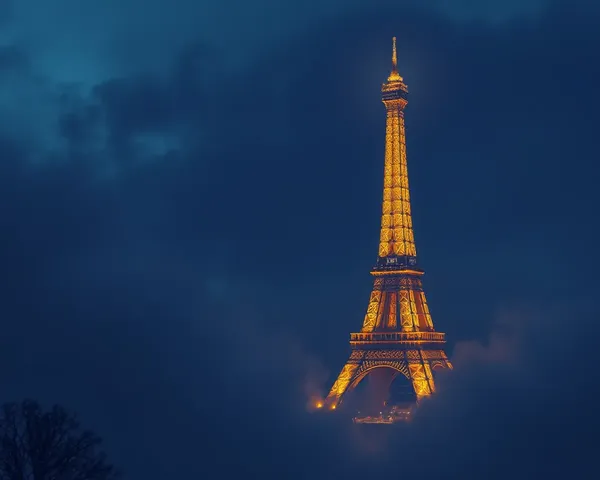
point(394, 91)
point(396, 244)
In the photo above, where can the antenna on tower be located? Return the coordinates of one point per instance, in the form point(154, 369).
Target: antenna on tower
point(394, 75)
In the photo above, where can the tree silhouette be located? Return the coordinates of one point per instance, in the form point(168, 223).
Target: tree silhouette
point(48, 445)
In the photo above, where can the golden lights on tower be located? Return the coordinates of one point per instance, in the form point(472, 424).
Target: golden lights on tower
point(396, 237)
point(397, 332)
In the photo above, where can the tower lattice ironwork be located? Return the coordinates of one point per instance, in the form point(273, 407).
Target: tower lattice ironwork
point(397, 331)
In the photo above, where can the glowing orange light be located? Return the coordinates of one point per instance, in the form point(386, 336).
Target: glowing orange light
point(319, 405)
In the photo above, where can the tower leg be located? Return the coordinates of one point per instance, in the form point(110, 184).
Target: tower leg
point(422, 379)
point(421, 370)
point(341, 385)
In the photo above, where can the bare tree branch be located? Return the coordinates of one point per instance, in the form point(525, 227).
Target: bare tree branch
point(48, 445)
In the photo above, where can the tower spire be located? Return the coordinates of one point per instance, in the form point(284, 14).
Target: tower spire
point(394, 75)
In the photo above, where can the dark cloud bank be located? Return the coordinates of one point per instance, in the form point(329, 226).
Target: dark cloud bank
point(186, 299)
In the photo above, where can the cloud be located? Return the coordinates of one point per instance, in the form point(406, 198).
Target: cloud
point(113, 38)
point(188, 304)
point(492, 417)
point(25, 96)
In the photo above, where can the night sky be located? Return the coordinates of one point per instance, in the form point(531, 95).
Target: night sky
point(190, 196)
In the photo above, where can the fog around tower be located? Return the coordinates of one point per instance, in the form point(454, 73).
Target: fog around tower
point(186, 247)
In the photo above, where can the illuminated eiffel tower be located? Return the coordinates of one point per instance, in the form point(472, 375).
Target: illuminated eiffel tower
point(397, 336)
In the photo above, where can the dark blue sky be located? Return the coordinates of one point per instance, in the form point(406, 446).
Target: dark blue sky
point(189, 203)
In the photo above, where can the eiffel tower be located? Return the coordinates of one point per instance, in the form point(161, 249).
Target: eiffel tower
point(397, 336)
